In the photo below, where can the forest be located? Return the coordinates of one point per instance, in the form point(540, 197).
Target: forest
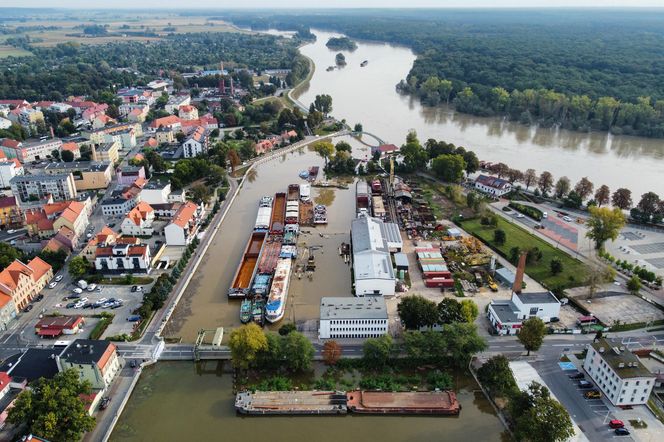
point(579, 69)
point(54, 73)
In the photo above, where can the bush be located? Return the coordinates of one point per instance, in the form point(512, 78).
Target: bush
point(276, 383)
point(101, 326)
point(530, 211)
point(499, 237)
point(439, 380)
point(325, 384)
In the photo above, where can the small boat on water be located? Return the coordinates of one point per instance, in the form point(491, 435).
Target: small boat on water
point(258, 310)
point(330, 68)
point(313, 173)
point(364, 63)
point(320, 214)
point(245, 311)
point(304, 174)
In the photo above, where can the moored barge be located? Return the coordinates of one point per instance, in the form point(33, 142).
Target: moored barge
point(409, 402)
point(290, 402)
point(247, 267)
point(276, 301)
point(278, 214)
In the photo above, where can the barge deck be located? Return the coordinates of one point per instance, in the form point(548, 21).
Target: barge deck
point(290, 402)
point(246, 269)
point(416, 402)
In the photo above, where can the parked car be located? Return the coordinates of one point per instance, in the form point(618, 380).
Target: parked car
point(111, 225)
point(576, 375)
point(520, 215)
point(545, 215)
point(592, 394)
point(58, 278)
point(74, 296)
point(28, 308)
point(621, 431)
point(39, 297)
point(616, 423)
point(134, 318)
point(132, 363)
point(585, 384)
point(52, 285)
point(567, 218)
point(104, 403)
point(134, 288)
point(70, 305)
point(91, 287)
point(77, 290)
point(10, 231)
point(82, 284)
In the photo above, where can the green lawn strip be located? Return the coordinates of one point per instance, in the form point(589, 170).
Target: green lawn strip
point(573, 270)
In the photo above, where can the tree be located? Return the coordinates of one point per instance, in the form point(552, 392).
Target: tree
point(342, 146)
point(180, 137)
point(469, 310)
point(622, 198)
point(415, 157)
point(450, 311)
point(545, 182)
point(199, 193)
point(461, 342)
point(538, 417)
point(556, 266)
point(358, 127)
point(648, 204)
point(596, 276)
point(529, 177)
point(496, 376)
point(246, 343)
point(449, 168)
point(323, 148)
point(584, 188)
point(604, 224)
point(287, 329)
point(52, 408)
point(532, 334)
point(472, 162)
point(515, 253)
point(377, 351)
point(78, 266)
point(331, 352)
point(416, 312)
point(514, 175)
point(323, 104)
point(562, 187)
point(602, 195)
point(297, 351)
point(55, 153)
point(67, 156)
point(634, 285)
point(55, 258)
point(234, 159)
point(499, 237)
point(8, 254)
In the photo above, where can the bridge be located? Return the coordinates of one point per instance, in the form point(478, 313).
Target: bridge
point(359, 134)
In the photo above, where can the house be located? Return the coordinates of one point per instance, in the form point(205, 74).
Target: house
point(372, 265)
point(184, 225)
point(45, 221)
point(94, 112)
point(108, 152)
point(492, 186)
point(32, 364)
point(167, 210)
point(264, 146)
point(345, 317)
point(175, 102)
point(10, 214)
point(88, 175)
point(156, 192)
point(123, 258)
point(172, 122)
point(96, 361)
point(151, 142)
point(8, 170)
point(105, 237)
point(102, 120)
point(73, 148)
point(165, 135)
point(384, 149)
point(621, 376)
point(177, 196)
point(27, 117)
point(60, 187)
point(138, 221)
point(196, 143)
point(127, 175)
point(22, 282)
point(8, 311)
point(117, 206)
point(288, 136)
point(188, 112)
point(27, 151)
point(138, 115)
point(64, 240)
point(54, 326)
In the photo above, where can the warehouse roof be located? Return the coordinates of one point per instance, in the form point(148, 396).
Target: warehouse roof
point(367, 307)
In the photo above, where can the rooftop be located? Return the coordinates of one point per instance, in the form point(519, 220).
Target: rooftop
point(84, 166)
point(621, 360)
point(506, 311)
point(489, 181)
point(35, 363)
point(86, 351)
point(368, 307)
point(367, 234)
point(537, 298)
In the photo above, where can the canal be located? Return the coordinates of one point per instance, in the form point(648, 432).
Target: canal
point(367, 95)
point(182, 401)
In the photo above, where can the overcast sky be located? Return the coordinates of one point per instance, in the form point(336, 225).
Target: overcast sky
point(272, 4)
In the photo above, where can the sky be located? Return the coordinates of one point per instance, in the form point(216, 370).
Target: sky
point(272, 4)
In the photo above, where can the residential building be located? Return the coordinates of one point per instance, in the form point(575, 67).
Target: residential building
point(196, 143)
point(48, 219)
point(165, 135)
point(138, 115)
point(87, 174)
point(101, 121)
point(8, 311)
point(171, 122)
point(127, 175)
point(127, 108)
point(105, 237)
point(156, 192)
point(493, 186)
point(372, 265)
point(32, 364)
point(175, 102)
point(109, 152)
point(96, 112)
point(10, 214)
point(8, 170)
point(621, 376)
point(27, 117)
point(184, 225)
point(117, 206)
point(345, 317)
point(22, 282)
point(123, 258)
point(167, 210)
point(60, 187)
point(30, 151)
point(138, 221)
point(188, 112)
point(54, 326)
point(75, 218)
point(384, 149)
point(177, 196)
point(96, 361)
point(72, 147)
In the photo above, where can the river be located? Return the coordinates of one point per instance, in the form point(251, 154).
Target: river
point(367, 95)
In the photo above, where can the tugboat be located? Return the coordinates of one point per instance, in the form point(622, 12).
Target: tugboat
point(364, 63)
point(304, 174)
point(330, 68)
point(245, 311)
point(258, 310)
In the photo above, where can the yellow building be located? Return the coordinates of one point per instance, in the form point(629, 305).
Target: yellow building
point(107, 152)
point(22, 282)
point(87, 174)
point(10, 214)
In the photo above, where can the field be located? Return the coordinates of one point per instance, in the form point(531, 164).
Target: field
point(9, 51)
point(573, 272)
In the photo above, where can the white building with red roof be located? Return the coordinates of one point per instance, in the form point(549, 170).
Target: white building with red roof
point(22, 282)
point(138, 221)
point(123, 258)
point(196, 144)
point(184, 225)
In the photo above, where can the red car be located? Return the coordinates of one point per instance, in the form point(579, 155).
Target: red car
point(615, 423)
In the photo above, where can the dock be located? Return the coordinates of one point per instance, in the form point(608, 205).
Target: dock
point(416, 402)
point(291, 402)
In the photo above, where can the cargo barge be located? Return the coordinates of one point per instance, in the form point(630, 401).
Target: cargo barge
point(313, 173)
point(290, 402)
point(246, 269)
point(362, 198)
point(276, 301)
point(293, 192)
point(292, 212)
point(278, 214)
point(307, 213)
point(264, 215)
point(411, 402)
point(269, 256)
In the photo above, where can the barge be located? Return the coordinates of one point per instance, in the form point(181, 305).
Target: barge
point(411, 402)
point(305, 192)
point(264, 215)
point(245, 311)
point(293, 192)
point(313, 173)
point(269, 256)
point(320, 214)
point(290, 402)
point(278, 214)
point(292, 212)
point(247, 267)
point(276, 301)
point(362, 198)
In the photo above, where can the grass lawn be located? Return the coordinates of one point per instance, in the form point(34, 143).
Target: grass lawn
point(10, 51)
point(573, 272)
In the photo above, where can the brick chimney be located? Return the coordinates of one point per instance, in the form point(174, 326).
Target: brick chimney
point(518, 279)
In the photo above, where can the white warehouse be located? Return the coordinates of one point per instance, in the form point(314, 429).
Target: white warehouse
point(372, 265)
point(352, 317)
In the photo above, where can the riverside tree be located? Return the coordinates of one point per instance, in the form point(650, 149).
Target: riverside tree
point(449, 168)
point(496, 376)
point(538, 417)
point(604, 224)
point(246, 343)
point(331, 352)
point(532, 334)
point(297, 351)
point(416, 312)
point(377, 351)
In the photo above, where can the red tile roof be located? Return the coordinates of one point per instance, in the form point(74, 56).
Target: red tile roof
point(165, 121)
point(72, 147)
point(7, 201)
point(39, 266)
point(13, 144)
point(185, 214)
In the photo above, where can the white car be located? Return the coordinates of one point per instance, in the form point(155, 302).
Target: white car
point(78, 291)
point(520, 215)
point(52, 285)
point(58, 278)
point(92, 287)
point(10, 231)
point(567, 218)
point(545, 215)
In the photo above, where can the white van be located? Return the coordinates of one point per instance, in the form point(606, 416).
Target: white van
point(545, 215)
point(82, 284)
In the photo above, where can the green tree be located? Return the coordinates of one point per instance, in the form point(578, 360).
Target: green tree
point(246, 343)
point(78, 266)
point(449, 311)
point(377, 352)
point(556, 266)
point(562, 187)
point(584, 188)
point(8, 254)
point(67, 156)
point(462, 342)
point(532, 334)
point(499, 237)
point(604, 224)
point(529, 177)
point(469, 310)
point(496, 376)
point(416, 311)
point(323, 148)
point(358, 127)
point(342, 146)
point(545, 182)
point(287, 328)
point(298, 351)
point(538, 417)
point(634, 285)
point(55, 258)
point(323, 104)
point(449, 168)
point(515, 253)
point(622, 198)
point(52, 408)
point(602, 195)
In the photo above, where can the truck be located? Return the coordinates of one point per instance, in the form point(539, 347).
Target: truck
point(82, 284)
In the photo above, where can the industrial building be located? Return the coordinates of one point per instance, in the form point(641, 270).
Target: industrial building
point(352, 317)
point(372, 265)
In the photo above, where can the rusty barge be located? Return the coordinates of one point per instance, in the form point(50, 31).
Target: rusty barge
point(247, 267)
point(290, 402)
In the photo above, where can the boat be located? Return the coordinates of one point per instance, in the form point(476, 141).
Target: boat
point(290, 234)
point(247, 267)
point(264, 215)
point(288, 251)
point(292, 212)
point(320, 214)
point(278, 214)
point(245, 311)
point(364, 63)
point(305, 191)
point(293, 192)
point(313, 173)
point(269, 256)
point(276, 301)
point(258, 310)
point(304, 174)
point(330, 68)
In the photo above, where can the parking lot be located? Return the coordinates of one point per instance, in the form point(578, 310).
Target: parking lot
point(611, 305)
point(640, 247)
